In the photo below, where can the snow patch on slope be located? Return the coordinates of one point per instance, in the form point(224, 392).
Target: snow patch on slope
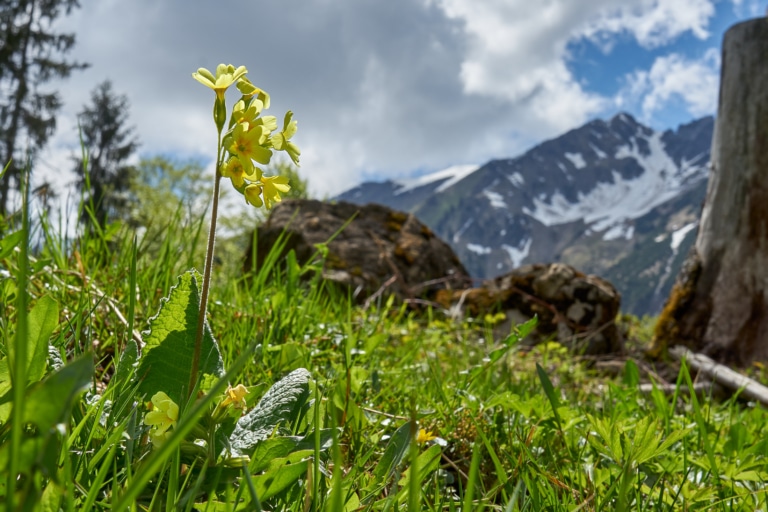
point(451, 175)
point(598, 152)
point(496, 199)
point(516, 179)
point(576, 159)
point(679, 235)
point(619, 231)
point(457, 235)
point(677, 238)
point(478, 249)
point(611, 203)
point(517, 255)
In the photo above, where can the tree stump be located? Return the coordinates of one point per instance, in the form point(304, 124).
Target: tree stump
point(719, 304)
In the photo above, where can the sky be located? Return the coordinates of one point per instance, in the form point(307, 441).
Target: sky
point(387, 89)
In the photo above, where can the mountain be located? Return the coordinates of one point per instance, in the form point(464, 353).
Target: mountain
point(613, 198)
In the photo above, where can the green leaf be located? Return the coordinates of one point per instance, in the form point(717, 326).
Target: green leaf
point(126, 364)
point(5, 391)
point(41, 322)
point(396, 449)
point(279, 447)
point(645, 442)
point(167, 361)
point(281, 474)
point(9, 242)
point(281, 404)
point(428, 462)
point(631, 374)
point(48, 403)
point(270, 450)
point(122, 383)
point(549, 390)
point(51, 498)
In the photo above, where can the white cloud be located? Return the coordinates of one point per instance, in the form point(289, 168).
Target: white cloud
point(653, 22)
point(744, 8)
point(671, 77)
point(516, 50)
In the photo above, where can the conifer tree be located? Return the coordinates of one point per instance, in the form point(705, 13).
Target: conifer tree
point(105, 178)
point(31, 55)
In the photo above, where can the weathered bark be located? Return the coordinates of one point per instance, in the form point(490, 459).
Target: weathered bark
point(719, 304)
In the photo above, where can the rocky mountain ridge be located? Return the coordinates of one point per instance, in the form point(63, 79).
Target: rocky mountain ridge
point(613, 198)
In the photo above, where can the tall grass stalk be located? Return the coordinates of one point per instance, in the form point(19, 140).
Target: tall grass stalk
point(19, 359)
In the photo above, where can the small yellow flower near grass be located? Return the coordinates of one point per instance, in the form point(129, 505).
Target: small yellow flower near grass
point(424, 436)
point(163, 415)
point(235, 396)
point(233, 404)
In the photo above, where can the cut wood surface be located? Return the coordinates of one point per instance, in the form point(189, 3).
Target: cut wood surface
point(723, 375)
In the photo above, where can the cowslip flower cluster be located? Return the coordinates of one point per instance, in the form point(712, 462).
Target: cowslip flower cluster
point(163, 415)
point(250, 138)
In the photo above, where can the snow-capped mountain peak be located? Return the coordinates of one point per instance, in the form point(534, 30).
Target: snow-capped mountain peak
point(448, 177)
point(596, 197)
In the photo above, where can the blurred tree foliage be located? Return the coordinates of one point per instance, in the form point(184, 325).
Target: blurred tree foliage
point(104, 172)
point(166, 193)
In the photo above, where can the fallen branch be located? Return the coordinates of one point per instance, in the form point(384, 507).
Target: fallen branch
point(729, 379)
point(700, 388)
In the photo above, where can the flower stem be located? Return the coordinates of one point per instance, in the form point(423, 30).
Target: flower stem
point(206, 277)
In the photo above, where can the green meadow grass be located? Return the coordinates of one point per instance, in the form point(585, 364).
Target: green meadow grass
point(515, 428)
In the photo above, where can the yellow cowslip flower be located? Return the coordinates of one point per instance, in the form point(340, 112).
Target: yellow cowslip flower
point(233, 169)
point(252, 195)
point(281, 141)
point(247, 113)
point(226, 75)
point(163, 415)
point(248, 90)
point(424, 436)
point(268, 122)
point(247, 145)
point(235, 396)
point(272, 186)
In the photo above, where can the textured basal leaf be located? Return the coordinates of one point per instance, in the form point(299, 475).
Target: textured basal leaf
point(281, 404)
point(167, 360)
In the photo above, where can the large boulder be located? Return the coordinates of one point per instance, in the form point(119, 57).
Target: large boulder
point(380, 250)
point(575, 309)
